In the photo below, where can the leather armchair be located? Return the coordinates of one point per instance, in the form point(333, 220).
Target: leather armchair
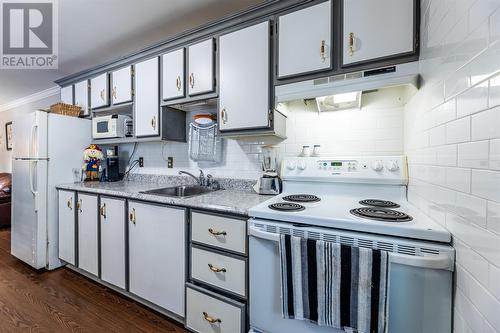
point(5, 197)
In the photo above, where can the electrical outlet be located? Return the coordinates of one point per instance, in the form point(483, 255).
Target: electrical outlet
point(141, 162)
point(170, 162)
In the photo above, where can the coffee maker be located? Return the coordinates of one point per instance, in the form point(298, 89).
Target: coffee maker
point(112, 164)
point(269, 183)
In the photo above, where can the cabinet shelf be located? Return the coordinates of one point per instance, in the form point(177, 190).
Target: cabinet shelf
point(125, 108)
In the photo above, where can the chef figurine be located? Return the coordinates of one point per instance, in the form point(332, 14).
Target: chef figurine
point(92, 157)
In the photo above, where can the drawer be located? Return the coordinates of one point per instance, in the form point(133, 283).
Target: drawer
point(219, 270)
point(207, 312)
point(222, 232)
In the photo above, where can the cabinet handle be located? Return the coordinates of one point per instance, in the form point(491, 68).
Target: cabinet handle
point(217, 233)
point(223, 115)
point(70, 205)
point(102, 94)
point(178, 83)
point(211, 320)
point(114, 92)
point(216, 269)
point(153, 122)
point(79, 205)
point(132, 216)
point(351, 43)
point(103, 210)
point(191, 80)
point(322, 51)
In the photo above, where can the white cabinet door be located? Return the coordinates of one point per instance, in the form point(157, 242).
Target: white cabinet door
point(173, 74)
point(67, 95)
point(82, 96)
point(121, 91)
point(244, 78)
point(112, 222)
point(147, 100)
point(157, 255)
point(201, 67)
point(67, 232)
point(371, 32)
point(99, 91)
point(87, 233)
point(304, 40)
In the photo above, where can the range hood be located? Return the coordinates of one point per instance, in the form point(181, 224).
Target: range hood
point(383, 77)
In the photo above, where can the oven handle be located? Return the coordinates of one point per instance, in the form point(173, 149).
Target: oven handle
point(443, 262)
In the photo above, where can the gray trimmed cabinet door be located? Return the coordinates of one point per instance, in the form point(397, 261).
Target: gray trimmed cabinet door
point(88, 257)
point(244, 78)
point(173, 74)
point(113, 238)
point(67, 226)
point(201, 67)
point(82, 96)
point(365, 38)
point(121, 91)
point(99, 91)
point(304, 40)
point(147, 99)
point(67, 95)
point(157, 254)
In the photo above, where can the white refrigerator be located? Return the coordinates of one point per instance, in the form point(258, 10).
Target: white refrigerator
point(46, 149)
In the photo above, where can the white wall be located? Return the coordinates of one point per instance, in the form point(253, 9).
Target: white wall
point(452, 138)
point(377, 128)
point(9, 115)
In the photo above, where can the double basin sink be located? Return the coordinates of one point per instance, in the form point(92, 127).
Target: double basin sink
point(183, 191)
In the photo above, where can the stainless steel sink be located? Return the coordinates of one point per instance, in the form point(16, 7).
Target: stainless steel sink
point(184, 191)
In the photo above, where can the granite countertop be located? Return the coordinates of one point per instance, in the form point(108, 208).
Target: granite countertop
point(236, 198)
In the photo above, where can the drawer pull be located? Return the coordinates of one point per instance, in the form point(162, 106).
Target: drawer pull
point(216, 269)
point(210, 319)
point(217, 233)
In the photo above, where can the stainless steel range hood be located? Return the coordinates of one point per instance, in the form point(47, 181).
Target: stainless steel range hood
point(396, 75)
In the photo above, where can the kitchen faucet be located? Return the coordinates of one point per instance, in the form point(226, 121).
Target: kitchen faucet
point(207, 181)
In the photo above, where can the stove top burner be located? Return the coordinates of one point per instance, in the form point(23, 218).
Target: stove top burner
point(380, 214)
point(287, 207)
point(301, 198)
point(379, 203)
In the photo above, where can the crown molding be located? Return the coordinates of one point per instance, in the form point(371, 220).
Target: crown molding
point(30, 98)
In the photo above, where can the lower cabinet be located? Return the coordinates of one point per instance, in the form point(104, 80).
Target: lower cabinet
point(157, 254)
point(67, 224)
point(88, 238)
point(113, 239)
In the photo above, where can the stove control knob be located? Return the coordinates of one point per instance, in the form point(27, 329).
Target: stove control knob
point(291, 165)
point(392, 166)
point(301, 165)
point(377, 165)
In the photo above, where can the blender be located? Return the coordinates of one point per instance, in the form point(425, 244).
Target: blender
point(269, 183)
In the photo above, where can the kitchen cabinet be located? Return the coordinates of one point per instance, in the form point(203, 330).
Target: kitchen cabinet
point(244, 92)
point(99, 91)
point(173, 74)
point(88, 258)
point(147, 102)
point(121, 81)
point(82, 96)
point(157, 254)
point(201, 67)
point(113, 239)
point(67, 230)
point(370, 32)
point(304, 40)
point(67, 95)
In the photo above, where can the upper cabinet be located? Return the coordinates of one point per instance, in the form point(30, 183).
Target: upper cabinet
point(82, 96)
point(99, 91)
point(244, 91)
point(173, 75)
point(305, 40)
point(67, 95)
point(147, 99)
point(369, 33)
point(201, 67)
point(121, 82)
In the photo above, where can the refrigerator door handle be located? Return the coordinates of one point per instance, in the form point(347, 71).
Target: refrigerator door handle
point(34, 128)
point(33, 165)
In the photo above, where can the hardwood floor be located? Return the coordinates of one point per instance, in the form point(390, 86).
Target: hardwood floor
point(63, 301)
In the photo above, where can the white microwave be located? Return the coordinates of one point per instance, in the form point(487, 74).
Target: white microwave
point(112, 126)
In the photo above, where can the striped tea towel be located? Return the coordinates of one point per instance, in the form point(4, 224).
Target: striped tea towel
point(334, 285)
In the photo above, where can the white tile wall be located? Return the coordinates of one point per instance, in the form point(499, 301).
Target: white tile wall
point(452, 131)
point(377, 128)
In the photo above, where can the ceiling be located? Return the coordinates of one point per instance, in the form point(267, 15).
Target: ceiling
point(92, 32)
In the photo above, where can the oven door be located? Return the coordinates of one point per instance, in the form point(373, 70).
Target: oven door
point(420, 291)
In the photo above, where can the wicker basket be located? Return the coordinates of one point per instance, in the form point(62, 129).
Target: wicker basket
point(66, 109)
